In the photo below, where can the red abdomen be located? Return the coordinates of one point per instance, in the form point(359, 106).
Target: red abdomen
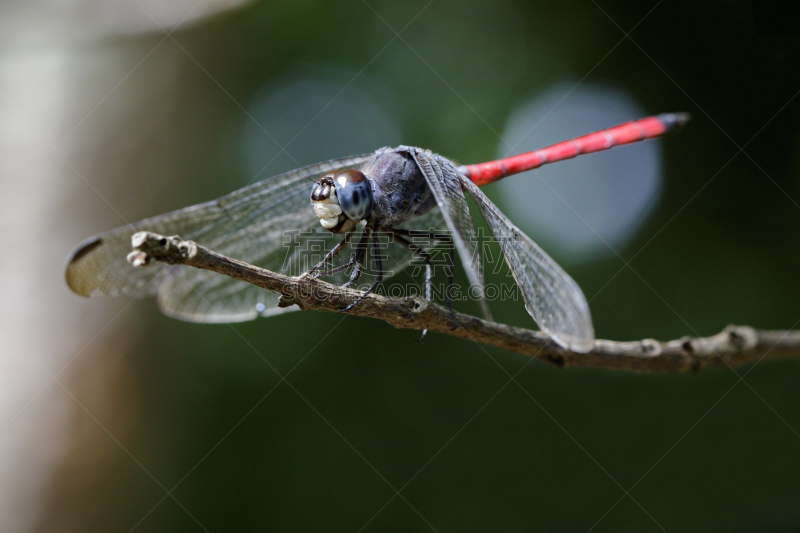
point(637, 130)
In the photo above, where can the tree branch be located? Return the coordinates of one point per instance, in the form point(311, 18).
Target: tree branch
point(733, 346)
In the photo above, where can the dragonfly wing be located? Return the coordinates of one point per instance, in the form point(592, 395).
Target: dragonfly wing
point(551, 297)
point(445, 183)
point(250, 224)
point(197, 295)
point(202, 296)
point(193, 295)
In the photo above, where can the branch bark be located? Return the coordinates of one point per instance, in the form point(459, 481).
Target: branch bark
point(735, 345)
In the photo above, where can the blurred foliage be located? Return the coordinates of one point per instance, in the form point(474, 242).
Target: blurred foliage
point(366, 409)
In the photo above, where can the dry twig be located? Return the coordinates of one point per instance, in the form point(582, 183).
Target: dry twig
point(735, 345)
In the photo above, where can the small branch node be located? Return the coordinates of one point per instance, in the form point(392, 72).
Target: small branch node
point(742, 337)
point(650, 347)
point(138, 259)
point(687, 346)
point(172, 250)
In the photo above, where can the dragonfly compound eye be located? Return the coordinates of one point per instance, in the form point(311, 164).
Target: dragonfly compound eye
point(342, 199)
point(354, 192)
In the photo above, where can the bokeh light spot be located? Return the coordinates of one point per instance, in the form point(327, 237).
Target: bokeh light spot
point(584, 208)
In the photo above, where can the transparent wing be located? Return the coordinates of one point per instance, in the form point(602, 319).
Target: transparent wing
point(202, 296)
point(445, 183)
point(398, 257)
point(269, 224)
point(551, 297)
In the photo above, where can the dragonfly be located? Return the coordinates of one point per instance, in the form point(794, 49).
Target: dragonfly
point(401, 192)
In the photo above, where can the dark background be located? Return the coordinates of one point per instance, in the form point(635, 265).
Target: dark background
point(201, 409)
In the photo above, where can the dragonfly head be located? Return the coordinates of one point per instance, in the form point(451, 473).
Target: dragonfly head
point(341, 199)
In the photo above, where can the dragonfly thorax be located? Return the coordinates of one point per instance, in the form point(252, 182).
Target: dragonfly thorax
point(399, 189)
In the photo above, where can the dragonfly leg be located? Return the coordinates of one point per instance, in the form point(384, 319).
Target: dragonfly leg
point(443, 237)
point(353, 261)
point(428, 279)
point(358, 258)
point(450, 283)
point(336, 250)
point(425, 256)
point(378, 275)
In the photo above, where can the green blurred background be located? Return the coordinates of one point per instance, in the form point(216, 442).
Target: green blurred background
point(201, 411)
